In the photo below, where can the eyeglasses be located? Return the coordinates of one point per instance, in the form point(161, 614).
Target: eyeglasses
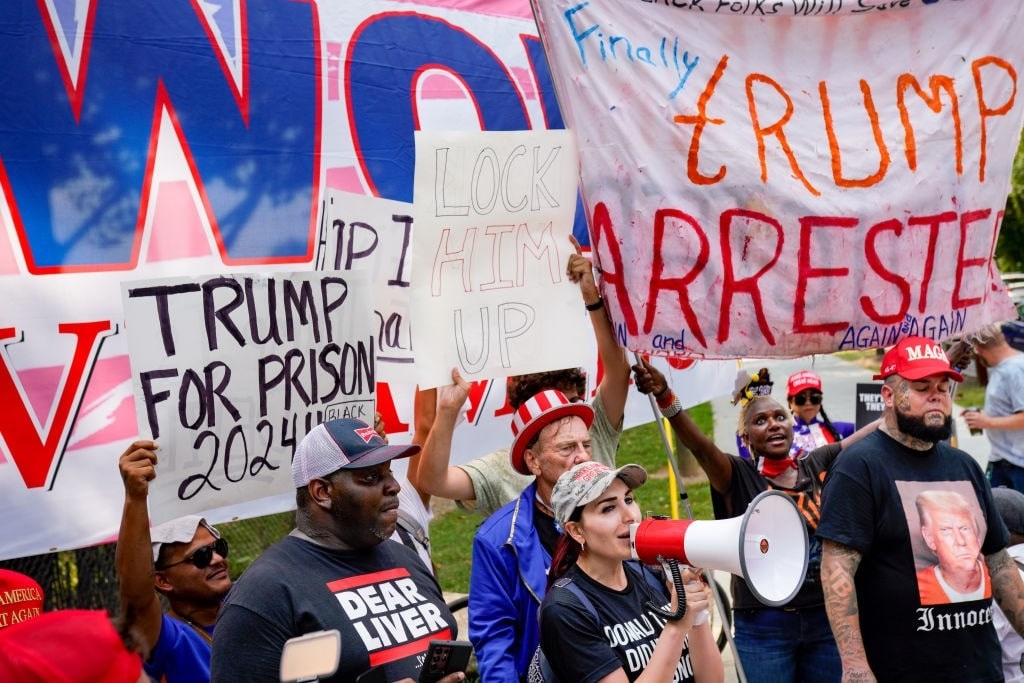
point(801, 399)
point(202, 557)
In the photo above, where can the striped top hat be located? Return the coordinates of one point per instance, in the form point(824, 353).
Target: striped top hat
point(535, 414)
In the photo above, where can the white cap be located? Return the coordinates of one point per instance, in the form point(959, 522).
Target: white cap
point(180, 530)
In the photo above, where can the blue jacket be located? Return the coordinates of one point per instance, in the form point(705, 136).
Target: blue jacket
point(507, 583)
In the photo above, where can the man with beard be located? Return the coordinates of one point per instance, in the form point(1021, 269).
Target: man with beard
point(336, 570)
point(870, 528)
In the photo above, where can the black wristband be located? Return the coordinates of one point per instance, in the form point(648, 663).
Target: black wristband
point(597, 305)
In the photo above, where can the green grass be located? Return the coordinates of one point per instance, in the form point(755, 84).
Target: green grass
point(451, 533)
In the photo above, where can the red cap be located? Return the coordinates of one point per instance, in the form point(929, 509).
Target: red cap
point(67, 646)
point(805, 379)
point(916, 358)
point(21, 598)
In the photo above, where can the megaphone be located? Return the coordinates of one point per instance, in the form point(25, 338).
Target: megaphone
point(767, 546)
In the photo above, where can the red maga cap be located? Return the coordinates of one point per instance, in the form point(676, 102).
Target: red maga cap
point(916, 358)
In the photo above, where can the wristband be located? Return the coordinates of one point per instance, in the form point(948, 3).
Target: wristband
point(665, 398)
point(597, 305)
point(674, 409)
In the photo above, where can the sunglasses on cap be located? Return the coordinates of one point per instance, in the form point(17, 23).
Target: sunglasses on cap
point(202, 557)
point(801, 399)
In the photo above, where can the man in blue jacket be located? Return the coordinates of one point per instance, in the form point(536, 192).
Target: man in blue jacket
point(512, 549)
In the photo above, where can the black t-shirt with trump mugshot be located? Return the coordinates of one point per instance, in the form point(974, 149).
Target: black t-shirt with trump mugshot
point(870, 503)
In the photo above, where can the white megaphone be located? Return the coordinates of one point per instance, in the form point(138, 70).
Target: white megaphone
point(767, 546)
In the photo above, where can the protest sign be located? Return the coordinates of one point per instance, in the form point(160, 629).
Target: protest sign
point(494, 214)
point(870, 405)
point(811, 176)
point(374, 235)
point(231, 371)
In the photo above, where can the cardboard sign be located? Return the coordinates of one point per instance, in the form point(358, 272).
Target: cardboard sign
point(231, 371)
point(375, 235)
point(494, 215)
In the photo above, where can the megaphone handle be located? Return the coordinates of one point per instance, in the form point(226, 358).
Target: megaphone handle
point(677, 581)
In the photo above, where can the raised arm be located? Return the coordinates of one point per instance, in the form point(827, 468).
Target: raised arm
point(615, 381)
point(716, 464)
point(435, 476)
point(1007, 587)
point(134, 556)
point(423, 413)
point(838, 565)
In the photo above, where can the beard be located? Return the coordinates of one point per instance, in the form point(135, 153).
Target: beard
point(915, 426)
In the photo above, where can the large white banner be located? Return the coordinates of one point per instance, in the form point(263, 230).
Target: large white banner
point(812, 176)
point(495, 212)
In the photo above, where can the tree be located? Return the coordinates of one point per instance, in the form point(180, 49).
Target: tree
point(1010, 247)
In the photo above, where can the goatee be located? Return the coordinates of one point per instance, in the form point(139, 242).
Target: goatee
point(917, 428)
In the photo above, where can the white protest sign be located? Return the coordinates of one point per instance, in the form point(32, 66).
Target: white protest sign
point(765, 183)
point(494, 213)
point(360, 232)
point(231, 371)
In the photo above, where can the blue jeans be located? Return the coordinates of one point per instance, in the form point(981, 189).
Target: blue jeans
point(779, 646)
point(1004, 473)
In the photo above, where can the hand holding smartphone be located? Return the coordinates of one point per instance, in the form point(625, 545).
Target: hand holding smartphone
point(445, 657)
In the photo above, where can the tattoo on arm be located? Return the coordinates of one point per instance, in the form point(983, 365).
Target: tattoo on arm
point(838, 567)
point(1007, 587)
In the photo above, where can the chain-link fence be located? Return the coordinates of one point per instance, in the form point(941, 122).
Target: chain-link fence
point(87, 579)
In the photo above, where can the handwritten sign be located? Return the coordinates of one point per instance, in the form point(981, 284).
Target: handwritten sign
point(231, 371)
point(787, 178)
point(374, 235)
point(494, 213)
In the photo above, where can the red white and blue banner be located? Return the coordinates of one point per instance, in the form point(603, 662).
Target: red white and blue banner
point(160, 140)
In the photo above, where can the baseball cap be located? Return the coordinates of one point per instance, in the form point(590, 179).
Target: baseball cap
point(1010, 506)
point(915, 358)
point(24, 597)
point(536, 413)
point(585, 483)
point(178, 530)
point(342, 445)
point(67, 646)
point(801, 381)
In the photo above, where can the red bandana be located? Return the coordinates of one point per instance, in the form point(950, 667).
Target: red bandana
point(773, 467)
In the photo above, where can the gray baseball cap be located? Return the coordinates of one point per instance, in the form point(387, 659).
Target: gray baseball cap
point(585, 483)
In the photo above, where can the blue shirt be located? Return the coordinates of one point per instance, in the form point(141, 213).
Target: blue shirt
point(181, 654)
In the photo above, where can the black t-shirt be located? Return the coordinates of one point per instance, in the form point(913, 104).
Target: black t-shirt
point(870, 505)
point(747, 484)
point(546, 529)
point(383, 600)
point(582, 649)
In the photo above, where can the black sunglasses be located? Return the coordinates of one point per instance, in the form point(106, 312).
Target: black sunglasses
point(801, 399)
point(202, 557)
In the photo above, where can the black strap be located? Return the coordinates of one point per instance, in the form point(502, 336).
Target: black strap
point(653, 581)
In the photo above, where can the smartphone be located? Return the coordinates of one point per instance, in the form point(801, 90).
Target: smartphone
point(445, 657)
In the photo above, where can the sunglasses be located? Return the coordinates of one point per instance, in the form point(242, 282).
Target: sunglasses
point(801, 399)
point(202, 557)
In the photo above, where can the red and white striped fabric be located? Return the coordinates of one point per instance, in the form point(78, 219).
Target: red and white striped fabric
point(536, 413)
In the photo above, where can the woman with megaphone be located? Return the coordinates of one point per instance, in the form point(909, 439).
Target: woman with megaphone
point(607, 618)
point(792, 642)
